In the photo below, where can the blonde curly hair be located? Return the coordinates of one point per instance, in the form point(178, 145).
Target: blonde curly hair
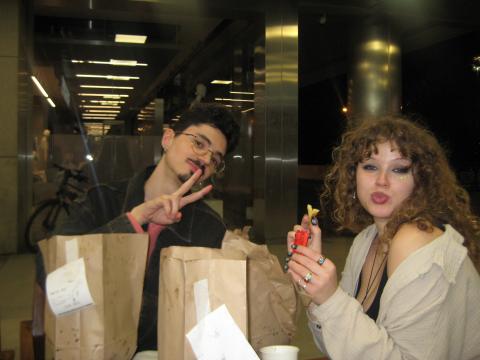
point(437, 197)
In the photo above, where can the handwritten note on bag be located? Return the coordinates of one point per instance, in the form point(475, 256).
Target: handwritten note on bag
point(67, 288)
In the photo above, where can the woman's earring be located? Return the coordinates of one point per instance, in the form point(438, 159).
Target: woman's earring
point(354, 196)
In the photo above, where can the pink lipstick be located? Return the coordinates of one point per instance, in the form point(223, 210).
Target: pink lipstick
point(379, 198)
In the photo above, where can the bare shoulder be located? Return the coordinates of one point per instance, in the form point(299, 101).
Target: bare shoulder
point(406, 241)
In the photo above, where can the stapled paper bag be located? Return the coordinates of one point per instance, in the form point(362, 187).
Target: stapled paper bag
point(273, 305)
point(114, 267)
point(193, 282)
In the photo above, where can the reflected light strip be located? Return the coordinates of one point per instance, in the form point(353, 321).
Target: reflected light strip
point(247, 110)
point(239, 100)
point(39, 86)
point(106, 87)
point(108, 77)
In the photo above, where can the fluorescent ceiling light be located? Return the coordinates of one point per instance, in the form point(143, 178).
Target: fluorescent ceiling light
point(52, 104)
point(89, 111)
point(39, 86)
point(108, 77)
point(247, 110)
point(242, 92)
point(100, 107)
point(93, 116)
point(240, 100)
point(106, 87)
point(134, 39)
point(110, 96)
point(113, 62)
point(106, 102)
point(221, 82)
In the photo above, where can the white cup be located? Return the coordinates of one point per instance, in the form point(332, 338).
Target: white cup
point(279, 352)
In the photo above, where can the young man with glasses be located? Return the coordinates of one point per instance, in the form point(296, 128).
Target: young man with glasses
point(158, 200)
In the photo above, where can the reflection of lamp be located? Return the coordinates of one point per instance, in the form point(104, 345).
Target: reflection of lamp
point(476, 64)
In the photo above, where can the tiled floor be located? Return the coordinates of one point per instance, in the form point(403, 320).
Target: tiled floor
point(16, 286)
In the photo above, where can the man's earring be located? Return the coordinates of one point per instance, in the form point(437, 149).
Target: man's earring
point(354, 196)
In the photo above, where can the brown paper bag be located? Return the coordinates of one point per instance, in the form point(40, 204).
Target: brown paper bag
point(273, 306)
point(115, 268)
point(180, 269)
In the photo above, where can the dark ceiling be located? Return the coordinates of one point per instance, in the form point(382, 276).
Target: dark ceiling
point(182, 32)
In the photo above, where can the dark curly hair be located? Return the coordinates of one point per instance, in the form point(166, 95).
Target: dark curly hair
point(437, 197)
point(217, 115)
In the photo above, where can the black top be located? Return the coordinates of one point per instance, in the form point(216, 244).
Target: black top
point(372, 311)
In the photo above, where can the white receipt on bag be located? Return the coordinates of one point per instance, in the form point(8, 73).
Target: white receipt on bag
point(67, 288)
point(218, 337)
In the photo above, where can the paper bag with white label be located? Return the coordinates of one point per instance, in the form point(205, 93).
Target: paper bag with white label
point(273, 306)
point(193, 282)
point(94, 292)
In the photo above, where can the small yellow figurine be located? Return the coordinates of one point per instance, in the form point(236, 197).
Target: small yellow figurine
point(311, 212)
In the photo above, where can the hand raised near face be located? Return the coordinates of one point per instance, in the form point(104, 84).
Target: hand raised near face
point(165, 209)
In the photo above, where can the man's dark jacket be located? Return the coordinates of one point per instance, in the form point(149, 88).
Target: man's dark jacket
point(104, 211)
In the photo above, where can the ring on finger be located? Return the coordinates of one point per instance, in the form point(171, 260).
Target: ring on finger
point(321, 260)
point(308, 277)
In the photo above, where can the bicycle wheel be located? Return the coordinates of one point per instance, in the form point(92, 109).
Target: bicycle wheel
point(43, 221)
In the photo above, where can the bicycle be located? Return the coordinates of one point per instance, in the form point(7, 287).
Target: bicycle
point(42, 222)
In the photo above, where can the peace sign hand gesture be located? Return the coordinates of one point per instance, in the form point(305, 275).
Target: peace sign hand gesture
point(165, 209)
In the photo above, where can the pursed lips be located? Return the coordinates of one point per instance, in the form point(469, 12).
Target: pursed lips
point(379, 197)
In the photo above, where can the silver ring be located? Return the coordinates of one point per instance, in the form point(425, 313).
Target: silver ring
point(321, 261)
point(308, 277)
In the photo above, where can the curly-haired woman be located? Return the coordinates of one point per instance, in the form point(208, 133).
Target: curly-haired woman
point(410, 288)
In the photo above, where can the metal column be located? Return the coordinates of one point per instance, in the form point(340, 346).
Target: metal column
point(276, 125)
point(375, 86)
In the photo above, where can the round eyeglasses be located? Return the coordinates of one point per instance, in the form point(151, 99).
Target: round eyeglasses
point(201, 147)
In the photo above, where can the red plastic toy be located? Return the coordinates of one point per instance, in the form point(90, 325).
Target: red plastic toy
point(301, 238)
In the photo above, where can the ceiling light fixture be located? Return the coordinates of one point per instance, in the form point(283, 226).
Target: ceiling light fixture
point(110, 96)
point(39, 86)
point(52, 104)
point(133, 39)
point(108, 77)
point(42, 90)
point(106, 102)
point(242, 92)
point(221, 82)
point(113, 62)
point(88, 111)
point(99, 107)
point(106, 87)
point(239, 100)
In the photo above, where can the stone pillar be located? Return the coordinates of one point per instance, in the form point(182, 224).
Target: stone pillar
point(16, 94)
